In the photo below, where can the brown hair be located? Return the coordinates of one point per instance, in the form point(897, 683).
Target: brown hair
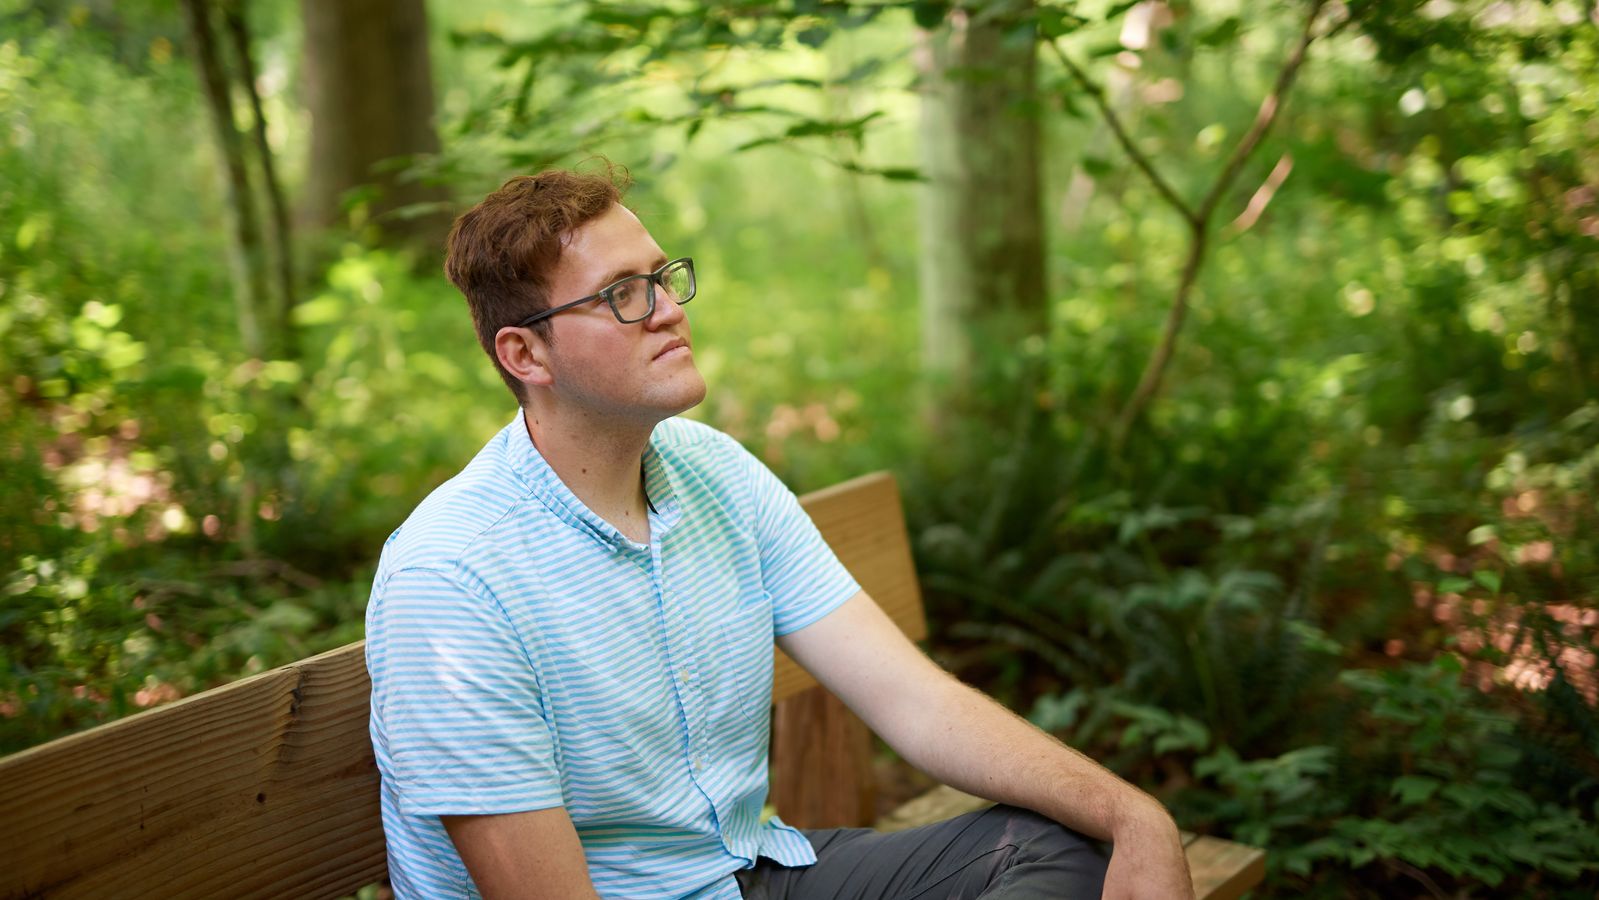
point(500, 253)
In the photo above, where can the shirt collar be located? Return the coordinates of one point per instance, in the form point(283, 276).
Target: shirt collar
point(535, 472)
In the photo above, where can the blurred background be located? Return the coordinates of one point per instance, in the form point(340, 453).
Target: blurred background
point(1238, 361)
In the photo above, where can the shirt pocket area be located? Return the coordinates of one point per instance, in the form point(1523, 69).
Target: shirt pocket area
point(744, 658)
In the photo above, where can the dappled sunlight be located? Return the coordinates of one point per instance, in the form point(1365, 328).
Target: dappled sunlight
point(109, 487)
point(1519, 657)
point(155, 694)
point(108, 481)
point(1508, 640)
point(1286, 456)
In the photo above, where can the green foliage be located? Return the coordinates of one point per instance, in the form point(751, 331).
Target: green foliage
point(1336, 596)
point(93, 635)
point(1463, 804)
point(1386, 461)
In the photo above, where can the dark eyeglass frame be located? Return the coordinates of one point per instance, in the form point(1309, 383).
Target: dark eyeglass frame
point(607, 294)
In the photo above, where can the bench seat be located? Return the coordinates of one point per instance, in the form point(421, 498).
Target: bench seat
point(268, 788)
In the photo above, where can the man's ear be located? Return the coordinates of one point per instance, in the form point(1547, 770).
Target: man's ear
point(525, 354)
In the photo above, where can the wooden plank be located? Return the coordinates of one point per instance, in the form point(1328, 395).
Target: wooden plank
point(1222, 870)
point(264, 788)
point(821, 774)
point(938, 804)
point(821, 765)
point(862, 521)
point(268, 787)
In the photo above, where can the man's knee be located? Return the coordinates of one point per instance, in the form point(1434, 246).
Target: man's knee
point(1018, 826)
point(1037, 837)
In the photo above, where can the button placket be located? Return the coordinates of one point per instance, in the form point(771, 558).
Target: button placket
point(686, 688)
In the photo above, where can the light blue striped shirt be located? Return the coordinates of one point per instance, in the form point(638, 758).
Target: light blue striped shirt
point(525, 654)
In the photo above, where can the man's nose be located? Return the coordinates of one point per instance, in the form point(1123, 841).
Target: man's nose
point(667, 310)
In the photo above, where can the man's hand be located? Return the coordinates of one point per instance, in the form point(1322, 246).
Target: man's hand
point(1147, 860)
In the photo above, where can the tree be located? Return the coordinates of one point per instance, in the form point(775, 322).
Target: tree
point(233, 16)
point(369, 88)
point(247, 253)
point(264, 313)
point(1198, 217)
point(982, 231)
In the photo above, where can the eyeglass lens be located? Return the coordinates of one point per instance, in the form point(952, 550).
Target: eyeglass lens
point(631, 298)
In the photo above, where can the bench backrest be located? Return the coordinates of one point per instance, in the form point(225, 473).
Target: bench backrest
point(267, 787)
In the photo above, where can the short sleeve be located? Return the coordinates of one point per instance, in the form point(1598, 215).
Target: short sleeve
point(800, 572)
point(456, 701)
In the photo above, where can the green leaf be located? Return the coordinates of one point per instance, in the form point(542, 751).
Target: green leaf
point(1119, 8)
point(1223, 32)
point(636, 17)
point(1054, 712)
point(282, 371)
point(900, 174)
point(928, 13)
point(852, 127)
point(1488, 578)
point(892, 173)
point(1482, 534)
point(319, 311)
point(1454, 584)
point(1414, 789)
point(814, 37)
point(864, 69)
point(1055, 21)
point(33, 226)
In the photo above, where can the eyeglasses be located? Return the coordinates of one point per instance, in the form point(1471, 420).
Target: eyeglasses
point(633, 298)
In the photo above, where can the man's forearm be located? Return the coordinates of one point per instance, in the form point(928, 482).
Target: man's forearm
point(968, 741)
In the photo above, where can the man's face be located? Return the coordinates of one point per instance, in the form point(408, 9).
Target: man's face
point(641, 371)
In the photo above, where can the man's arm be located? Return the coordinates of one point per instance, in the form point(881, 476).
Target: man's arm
point(966, 740)
point(531, 855)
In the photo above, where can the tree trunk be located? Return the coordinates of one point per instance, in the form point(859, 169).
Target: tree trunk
point(982, 230)
point(369, 87)
point(245, 251)
point(233, 14)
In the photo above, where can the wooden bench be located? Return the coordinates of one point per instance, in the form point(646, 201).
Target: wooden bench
point(267, 787)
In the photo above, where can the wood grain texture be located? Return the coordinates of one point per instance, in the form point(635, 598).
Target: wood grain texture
point(268, 787)
point(263, 788)
point(862, 522)
point(821, 765)
point(1222, 870)
point(936, 805)
point(821, 775)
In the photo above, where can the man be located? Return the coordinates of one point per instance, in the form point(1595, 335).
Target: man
point(570, 642)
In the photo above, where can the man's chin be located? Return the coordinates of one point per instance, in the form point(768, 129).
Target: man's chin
point(693, 395)
point(685, 394)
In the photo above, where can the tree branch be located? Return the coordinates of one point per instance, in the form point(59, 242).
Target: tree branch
point(249, 280)
point(1262, 197)
point(233, 16)
point(1155, 369)
point(1199, 224)
point(1264, 118)
point(1137, 156)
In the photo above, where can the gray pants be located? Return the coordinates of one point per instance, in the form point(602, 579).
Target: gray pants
point(1001, 853)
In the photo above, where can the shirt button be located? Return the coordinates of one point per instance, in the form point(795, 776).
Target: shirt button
point(697, 763)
